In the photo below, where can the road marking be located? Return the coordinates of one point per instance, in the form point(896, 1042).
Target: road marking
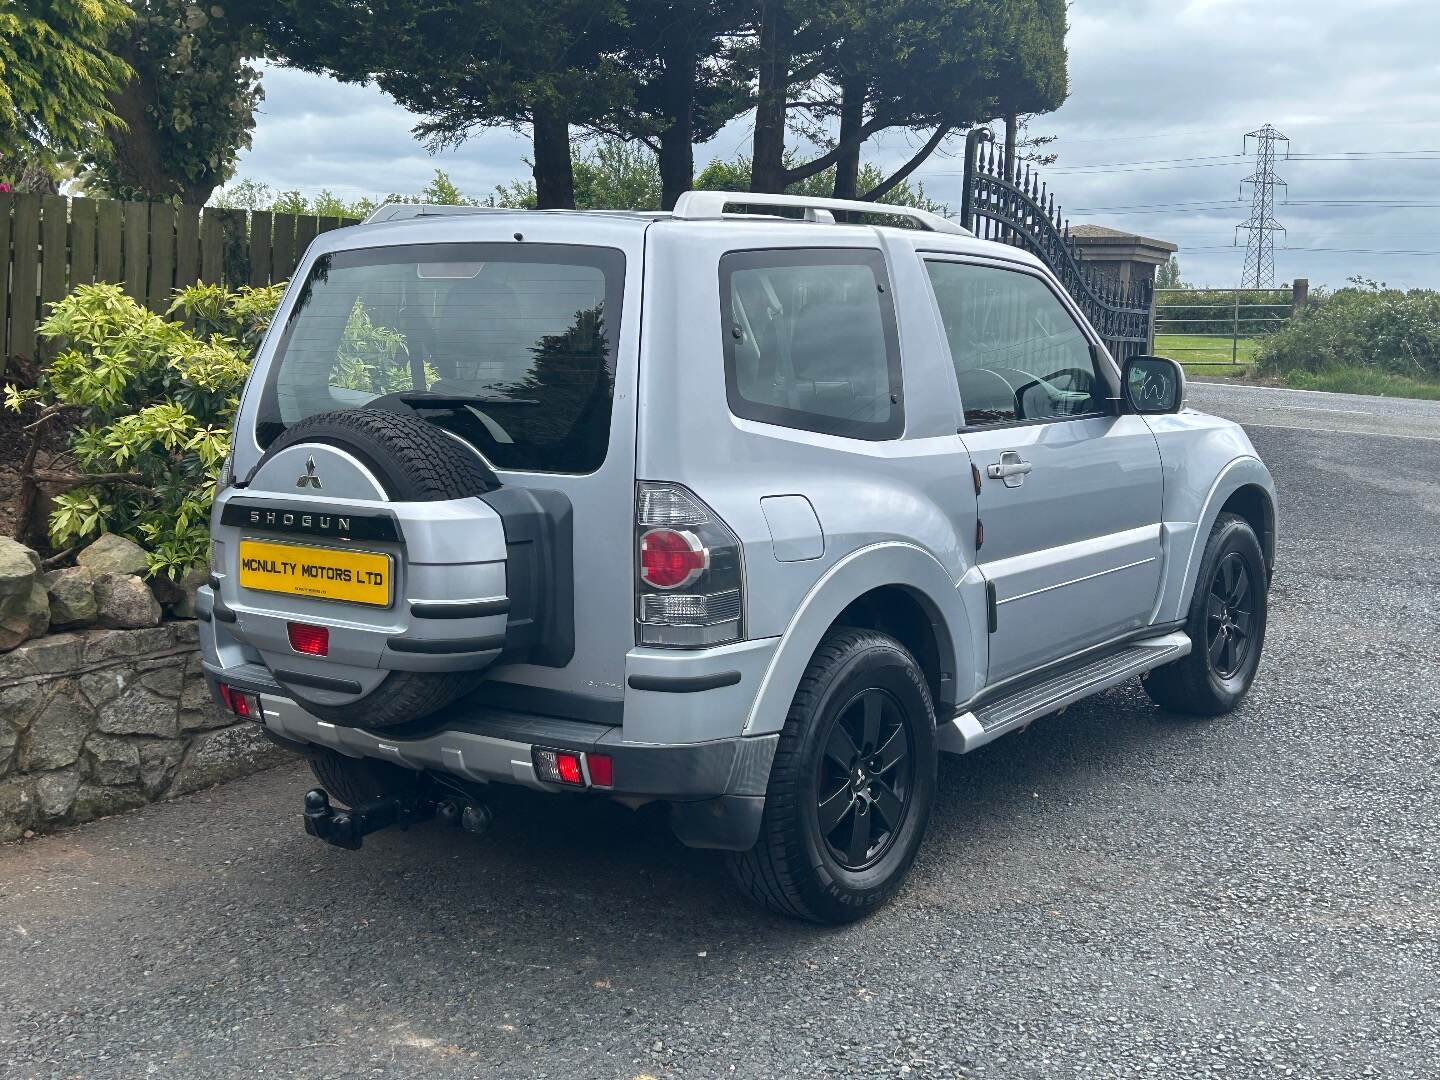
point(1342, 431)
point(1313, 408)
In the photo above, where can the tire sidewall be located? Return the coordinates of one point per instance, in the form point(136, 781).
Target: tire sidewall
point(840, 894)
point(1232, 535)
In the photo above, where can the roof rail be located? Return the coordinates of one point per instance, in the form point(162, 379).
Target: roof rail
point(398, 211)
point(710, 206)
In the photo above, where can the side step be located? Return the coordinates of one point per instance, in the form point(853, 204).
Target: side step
point(970, 730)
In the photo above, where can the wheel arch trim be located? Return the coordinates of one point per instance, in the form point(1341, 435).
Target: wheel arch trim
point(875, 566)
point(1240, 473)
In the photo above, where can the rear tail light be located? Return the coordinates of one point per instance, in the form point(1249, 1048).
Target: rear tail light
point(574, 769)
point(242, 704)
point(308, 639)
point(689, 580)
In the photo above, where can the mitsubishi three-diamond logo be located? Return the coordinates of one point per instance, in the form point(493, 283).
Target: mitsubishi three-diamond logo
point(309, 479)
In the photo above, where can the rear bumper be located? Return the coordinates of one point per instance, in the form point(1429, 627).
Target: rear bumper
point(716, 788)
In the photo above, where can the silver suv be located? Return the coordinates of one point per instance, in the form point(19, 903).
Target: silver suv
point(749, 514)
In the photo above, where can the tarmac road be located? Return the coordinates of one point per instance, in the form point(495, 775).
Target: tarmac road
point(1113, 893)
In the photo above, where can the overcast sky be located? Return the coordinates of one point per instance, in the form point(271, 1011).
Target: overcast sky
point(1162, 94)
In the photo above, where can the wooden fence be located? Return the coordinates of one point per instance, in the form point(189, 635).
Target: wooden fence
point(49, 244)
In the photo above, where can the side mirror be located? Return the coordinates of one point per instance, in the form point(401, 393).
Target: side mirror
point(1153, 384)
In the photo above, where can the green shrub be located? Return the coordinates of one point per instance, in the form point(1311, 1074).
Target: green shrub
point(1364, 326)
point(155, 400)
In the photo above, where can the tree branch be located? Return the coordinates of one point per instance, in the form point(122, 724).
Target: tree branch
point(70, 480)
point(901, 174)
point(824, 161)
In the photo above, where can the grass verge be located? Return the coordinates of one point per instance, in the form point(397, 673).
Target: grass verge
point(1358, 380)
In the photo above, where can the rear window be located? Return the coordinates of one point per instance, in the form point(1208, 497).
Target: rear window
point(510, 345)
point(810, 341)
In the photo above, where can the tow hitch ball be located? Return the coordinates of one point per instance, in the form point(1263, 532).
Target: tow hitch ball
point(348, 828)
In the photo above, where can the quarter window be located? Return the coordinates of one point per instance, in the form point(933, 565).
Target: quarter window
point(810, 341)
point(1018, 354)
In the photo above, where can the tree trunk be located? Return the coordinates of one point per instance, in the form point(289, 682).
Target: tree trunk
point(852, 117)
point(767, 168)
point(1012, 131)
point(553, 170)
point(677, 151)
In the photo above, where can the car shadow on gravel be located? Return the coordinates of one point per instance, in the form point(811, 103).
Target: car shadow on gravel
point(552, 868)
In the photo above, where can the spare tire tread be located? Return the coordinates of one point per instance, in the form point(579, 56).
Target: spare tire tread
point(430, 465)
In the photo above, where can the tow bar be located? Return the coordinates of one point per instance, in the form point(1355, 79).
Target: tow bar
point(348, 828)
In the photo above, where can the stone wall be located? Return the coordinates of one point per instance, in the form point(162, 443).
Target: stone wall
point(98, 721)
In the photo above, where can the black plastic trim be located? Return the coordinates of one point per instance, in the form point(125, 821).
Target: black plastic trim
point(445, 647)
point(317, 682)
point(683, 684)
point(543, 701)
point(474, 609)
point(223, 613)
point(301, 519)
point(729, 823)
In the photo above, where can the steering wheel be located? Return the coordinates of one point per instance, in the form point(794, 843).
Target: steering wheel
point(1075, 377)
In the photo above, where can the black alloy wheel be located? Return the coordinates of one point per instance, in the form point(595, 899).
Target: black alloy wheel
point(864, 779)
point(1231, 617)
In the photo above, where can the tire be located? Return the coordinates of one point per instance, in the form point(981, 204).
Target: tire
point(1226, 625)
point(798, 867)
point(414, 462)
point(357, 780)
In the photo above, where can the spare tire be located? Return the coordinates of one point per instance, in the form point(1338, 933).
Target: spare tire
point(413, 461)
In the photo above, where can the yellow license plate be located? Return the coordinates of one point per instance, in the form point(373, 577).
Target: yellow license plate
point(358, 577)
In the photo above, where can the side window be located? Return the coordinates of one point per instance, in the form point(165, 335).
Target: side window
point(1018, 354)
point(810, 341)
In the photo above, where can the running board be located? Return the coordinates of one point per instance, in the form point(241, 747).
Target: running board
point(973, 729)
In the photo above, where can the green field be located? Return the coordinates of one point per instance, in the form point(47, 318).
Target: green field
point(1205, 349)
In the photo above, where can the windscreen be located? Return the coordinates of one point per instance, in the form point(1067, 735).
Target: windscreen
point(510, 345)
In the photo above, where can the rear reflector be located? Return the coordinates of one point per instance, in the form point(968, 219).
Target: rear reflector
point(602, 770)
point(308, 639)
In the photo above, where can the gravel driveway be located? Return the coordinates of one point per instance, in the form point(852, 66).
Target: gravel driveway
point(1110, 894)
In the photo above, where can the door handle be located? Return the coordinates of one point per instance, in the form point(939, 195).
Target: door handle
point(1011, 469)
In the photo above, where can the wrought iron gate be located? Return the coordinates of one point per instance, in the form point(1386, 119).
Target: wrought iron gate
point(1020, 210)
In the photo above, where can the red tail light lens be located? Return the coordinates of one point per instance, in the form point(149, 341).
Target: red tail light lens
point(670, 558)
point(246, 706)
point(559, 767)
point(307, 639)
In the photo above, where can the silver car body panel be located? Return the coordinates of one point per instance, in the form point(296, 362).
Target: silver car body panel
point(1103, 539)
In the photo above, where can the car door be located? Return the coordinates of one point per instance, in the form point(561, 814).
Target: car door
point(1068, 489)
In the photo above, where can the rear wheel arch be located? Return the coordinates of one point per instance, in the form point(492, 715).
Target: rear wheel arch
point(895, 583)
point(911, 618)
